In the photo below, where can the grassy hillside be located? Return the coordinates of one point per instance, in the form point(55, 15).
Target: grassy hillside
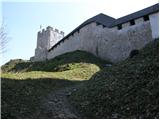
point(25, 83)
point(21, 99)
point(129, 89)
point(76, 65)
point(60, 63)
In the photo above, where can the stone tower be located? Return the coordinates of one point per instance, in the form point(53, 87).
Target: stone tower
point(45, 40)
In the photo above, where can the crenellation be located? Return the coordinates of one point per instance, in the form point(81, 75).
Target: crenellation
point(114, 28)
point(125, 25)
point(39, 33)
point(49, 28)
point(56, 30)
point(139, 20)
point(43, 31)
point(62, 33)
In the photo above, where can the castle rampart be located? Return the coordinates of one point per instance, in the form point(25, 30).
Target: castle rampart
point(113, 41)
point(108, 44)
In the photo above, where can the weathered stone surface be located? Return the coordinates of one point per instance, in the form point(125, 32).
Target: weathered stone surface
point(45, 40)
point(154, 19)
point(107, 43)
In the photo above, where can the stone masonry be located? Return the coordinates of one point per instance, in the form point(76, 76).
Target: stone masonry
point(103, 36)
point(45, 40)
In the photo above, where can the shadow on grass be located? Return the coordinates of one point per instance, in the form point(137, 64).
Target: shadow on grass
point(21, 98)
point(127, 90)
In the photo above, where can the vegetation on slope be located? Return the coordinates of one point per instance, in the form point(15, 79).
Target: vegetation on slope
point(60, 63)
point(129, 89)
point(125, 90)
point(21, 99)
point(83, 72)
point(25, 83)
point(76, 65)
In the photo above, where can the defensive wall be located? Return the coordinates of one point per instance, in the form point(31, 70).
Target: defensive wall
point(108, 38)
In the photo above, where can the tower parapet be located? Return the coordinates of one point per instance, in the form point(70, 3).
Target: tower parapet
point(50, 29)
point(46, 38)
point(62, 33)
point(56, 30)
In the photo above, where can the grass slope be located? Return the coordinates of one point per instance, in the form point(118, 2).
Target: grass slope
point(25, 83)
point(21, 99)
point(84, 72)
point(129, 89)
point(125, 90)
point(76, 65)
point(67, 61)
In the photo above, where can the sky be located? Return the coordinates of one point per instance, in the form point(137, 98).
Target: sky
point(22, 20)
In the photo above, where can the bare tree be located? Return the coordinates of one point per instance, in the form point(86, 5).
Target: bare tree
point(3, 39)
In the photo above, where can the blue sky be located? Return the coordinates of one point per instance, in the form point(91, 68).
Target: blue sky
point(23, 19)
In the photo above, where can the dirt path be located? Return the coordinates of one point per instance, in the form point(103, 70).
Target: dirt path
point(57, 106)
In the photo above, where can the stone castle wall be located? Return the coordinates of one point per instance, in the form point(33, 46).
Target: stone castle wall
point(45, 40)
point(109, 43)
point(113, 44)
point(154, 19)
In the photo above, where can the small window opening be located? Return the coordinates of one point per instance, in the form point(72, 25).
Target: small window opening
point(146, 18)
point(119, 27)
point(97, 23)
point(103, 26)
point(132, 22)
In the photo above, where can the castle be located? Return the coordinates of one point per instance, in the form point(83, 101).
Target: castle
point(45, 40)
point(108, 38)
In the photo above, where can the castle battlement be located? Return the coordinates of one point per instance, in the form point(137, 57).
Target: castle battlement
point(46, 38)
point(50, 29)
